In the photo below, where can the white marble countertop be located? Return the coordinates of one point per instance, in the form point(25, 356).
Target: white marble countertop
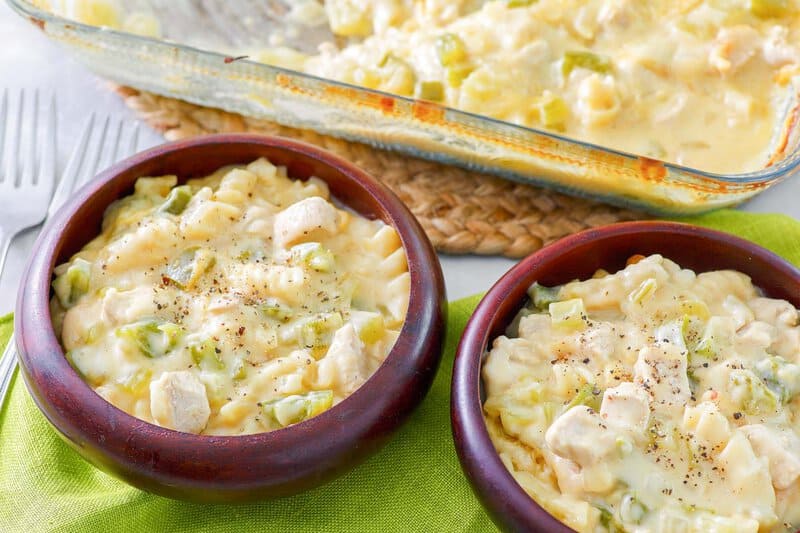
point(28, 59)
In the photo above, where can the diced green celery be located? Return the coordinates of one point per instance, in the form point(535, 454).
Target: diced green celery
point(193, 262)
point(137, 382)
point(317, 331)
point(314, 255)
point(430, 90)
point(770, 8)
point(457, 73)
point(695, 308)
point(631, 509)
point(450, 49)
point(588, 395)
point(542, 296)
point(715, 336)
point(177, 200)
point(782, 377)
point(553, 112)
point(568, 314)
point(296, 408)
point(276, 310)
point(152, 337)
point(73, 283)
point(239, 369)
point(644, 291)
point(581, 59)
point(753, 394)
point(520, 3)
point(370, 326)
point(206, 354)
point(609, 521)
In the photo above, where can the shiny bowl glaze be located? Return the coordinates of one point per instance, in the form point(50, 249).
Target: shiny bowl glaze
point(230, 468)
point(578, 257)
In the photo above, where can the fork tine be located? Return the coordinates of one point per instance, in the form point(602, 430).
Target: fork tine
point(47, 165)
point(112, 146)
point(93, 159)
point(15, 143)
point(67, 183)
point(29, 158)
point(3, 126)
point(132, 145)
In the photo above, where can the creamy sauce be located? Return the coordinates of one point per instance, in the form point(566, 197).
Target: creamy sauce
point(238, 303)
point(653, 399)
point(699, 83)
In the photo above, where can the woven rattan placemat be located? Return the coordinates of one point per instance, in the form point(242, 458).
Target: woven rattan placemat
point(462, 212)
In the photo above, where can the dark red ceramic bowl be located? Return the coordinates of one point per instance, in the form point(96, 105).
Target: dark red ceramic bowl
point(240, 468)
point(578, 257)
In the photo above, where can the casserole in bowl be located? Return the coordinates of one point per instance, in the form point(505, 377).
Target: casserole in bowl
point(239, 467)
point(626, 376)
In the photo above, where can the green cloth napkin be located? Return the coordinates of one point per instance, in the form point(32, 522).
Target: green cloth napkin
point(414, 484)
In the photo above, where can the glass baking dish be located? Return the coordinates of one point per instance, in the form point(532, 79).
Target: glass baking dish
point(176, 66)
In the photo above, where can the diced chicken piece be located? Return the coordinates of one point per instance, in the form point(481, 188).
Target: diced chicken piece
point(178, 401)
point(733, 47)
point(755, 338)
point(568, 474)
point(707, 424)
point(626, 406)
point(305, 219)
point(777, 51)
point(581, 436)
point(662, 372)
point(747, 478)
point(782, 450)
point(531, 325)
point(344, 365)
point(775, 311)
point(741, 313)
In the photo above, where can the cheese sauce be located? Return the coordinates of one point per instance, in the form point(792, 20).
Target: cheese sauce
point(653, 399)
point(237, 303)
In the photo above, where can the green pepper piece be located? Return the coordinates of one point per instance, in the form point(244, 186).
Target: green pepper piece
point(314, 255)
point(450, 49)
point(152, 337)
point(765, 9)
point(206, 354)
point(568, 314)
point(553, 112)
point(781, 376)
point(430, 90)
point(274, 309)
point(185, 271)
point(542, 296)
point(177, 200)
point(316, 332)
point(588, 395)
point(298, 407)
point(582, 59)
point(73, 283)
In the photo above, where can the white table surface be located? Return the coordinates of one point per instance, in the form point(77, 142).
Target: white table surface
point(29, 59)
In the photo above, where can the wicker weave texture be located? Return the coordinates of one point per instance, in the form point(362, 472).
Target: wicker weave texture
point(462, 212)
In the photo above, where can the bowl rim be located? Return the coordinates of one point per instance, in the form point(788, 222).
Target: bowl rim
point(479, 459)
point(419, 342)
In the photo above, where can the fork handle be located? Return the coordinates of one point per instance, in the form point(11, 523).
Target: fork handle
point(8, 362)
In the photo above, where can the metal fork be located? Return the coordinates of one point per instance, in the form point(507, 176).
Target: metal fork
point(29, 173)
point(101, 144)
